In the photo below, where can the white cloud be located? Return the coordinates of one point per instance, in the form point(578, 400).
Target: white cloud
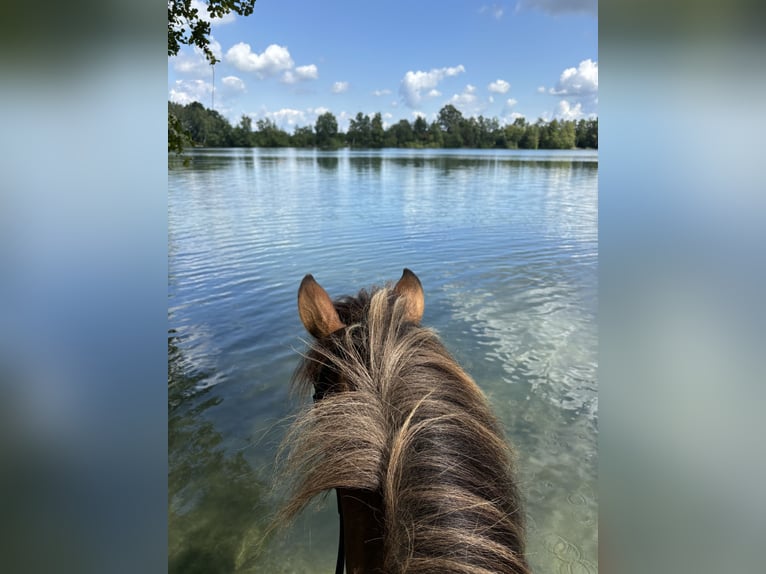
point(343, 120)
point(287, 117)
point(193, 61)
point(511, 117)
point(318, 111)
point(434, 94)
point(188, 91)
point(273, 60)
point(205, 15)
point(580, 81)
point(233, 84)
point(496, 11)
point(510, 102)
point(468, 102)
point(499, 86)
point(414, 83)
point(540, 89)
point(381, 92)
point(577, 89)
point(290, 118)
point(568, 112)
point(339, 87)
point(300, 74)
point(559, 6)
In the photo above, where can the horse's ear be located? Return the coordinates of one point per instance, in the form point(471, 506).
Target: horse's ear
point(410, 289)
point(315, 307)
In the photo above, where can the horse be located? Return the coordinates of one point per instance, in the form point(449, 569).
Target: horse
point(424, 478)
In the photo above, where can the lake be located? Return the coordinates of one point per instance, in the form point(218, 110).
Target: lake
point(506, 246)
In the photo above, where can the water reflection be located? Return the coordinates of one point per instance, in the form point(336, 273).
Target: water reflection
point(506, 245)
point(329, 163)
point(217, 513)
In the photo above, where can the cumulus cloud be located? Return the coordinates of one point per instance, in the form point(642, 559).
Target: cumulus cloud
point(187, 91)
point(510, 102)
point(193, 61)
point(499, 86)
point(300, 74)
point(381, 92)
point(205, 15)
point(318, 111)
point(233, 84)
point(468, 96)
point(339, 87)
point(580, 81)
point(554, 7)
point(468, 102)
point(288, 118)
point(415, 83)
point(273, 60)
point(510, 117)
point(577, 89)
point(568, 112)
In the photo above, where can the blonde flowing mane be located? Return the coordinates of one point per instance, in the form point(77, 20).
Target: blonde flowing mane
point(397, 416)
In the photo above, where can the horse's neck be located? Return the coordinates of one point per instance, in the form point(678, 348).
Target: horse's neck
point(362, 530)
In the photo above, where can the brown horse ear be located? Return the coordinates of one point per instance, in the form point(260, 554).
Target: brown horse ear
point(410, 289)
point(315, 307)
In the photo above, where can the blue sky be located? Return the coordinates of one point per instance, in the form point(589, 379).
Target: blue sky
point(292, 60)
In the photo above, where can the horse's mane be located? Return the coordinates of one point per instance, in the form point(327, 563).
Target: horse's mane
point(409, 423)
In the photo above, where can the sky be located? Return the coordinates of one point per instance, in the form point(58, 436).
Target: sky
point(292, 60)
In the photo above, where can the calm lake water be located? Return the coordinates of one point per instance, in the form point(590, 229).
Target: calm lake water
point(505, 244)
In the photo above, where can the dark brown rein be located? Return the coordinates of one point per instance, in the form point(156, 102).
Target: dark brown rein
point(340, 560)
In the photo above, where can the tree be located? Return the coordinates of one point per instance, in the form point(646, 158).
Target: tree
point(359, 134)
point(450, 119)
point(303, 137)
point(567, 139)
point(531, 137)
point(268, 134)
point(242, 134)
point(435, 135)
point(515, 132)
point(420, 128)
point(377, 133)
point(186, 26)
point(326, 130)
point(400, 134)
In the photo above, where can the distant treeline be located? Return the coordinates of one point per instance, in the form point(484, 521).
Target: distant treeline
point(199, 126)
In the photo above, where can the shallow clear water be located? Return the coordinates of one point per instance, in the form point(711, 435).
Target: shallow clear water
point(505, 244)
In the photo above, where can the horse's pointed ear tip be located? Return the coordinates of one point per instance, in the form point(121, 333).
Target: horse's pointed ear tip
point(409, 274)
point(308, 278)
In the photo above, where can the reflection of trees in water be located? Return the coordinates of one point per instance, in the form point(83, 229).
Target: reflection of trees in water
point(328, 162)
point(217, 514)
point(366, 164)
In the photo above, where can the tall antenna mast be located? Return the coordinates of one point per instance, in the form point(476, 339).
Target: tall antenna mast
point(212, 96)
